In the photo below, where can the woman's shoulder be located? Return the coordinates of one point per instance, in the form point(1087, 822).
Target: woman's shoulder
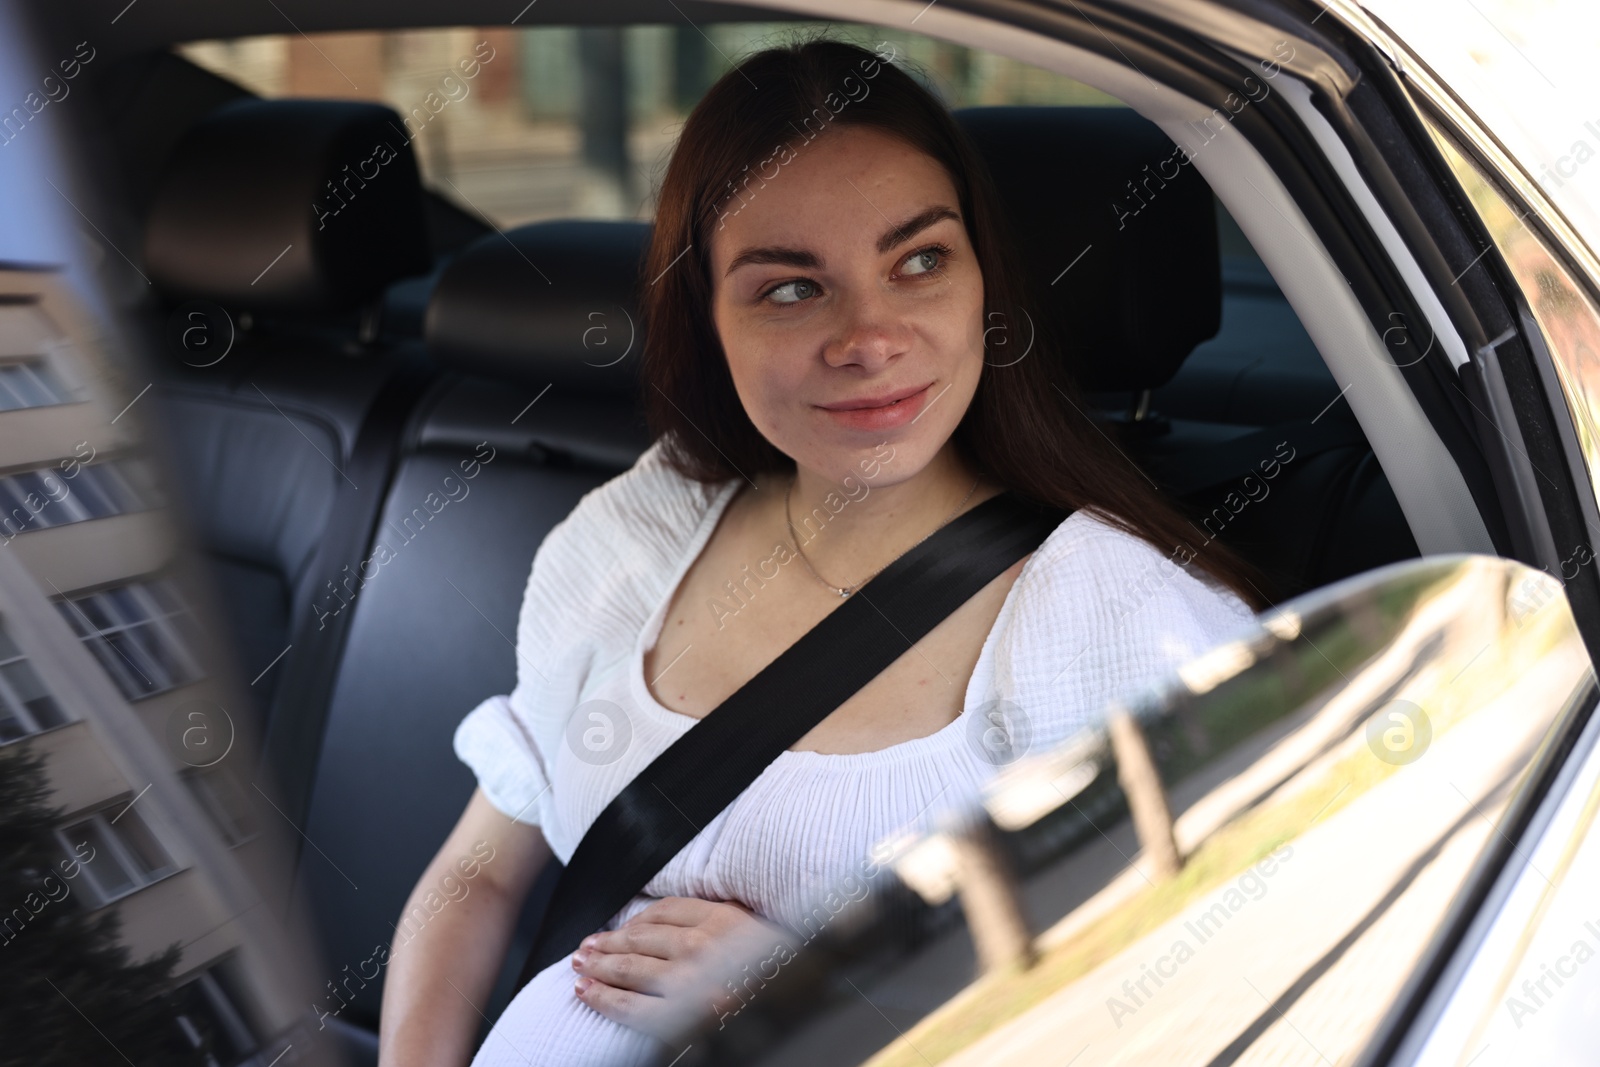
point(649, 498)
point(613, 551)
point(648, 512)
point(1098, 611)
point(1088, 551)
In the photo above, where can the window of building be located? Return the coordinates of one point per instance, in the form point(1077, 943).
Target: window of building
point(222, 798)
point(141, 633)
point(212, 1020)
point(126, 856)
point(38, 499)
point(26, 707)
point(29, 383)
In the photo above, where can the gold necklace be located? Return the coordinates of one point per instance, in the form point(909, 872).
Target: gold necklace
point(846, 590)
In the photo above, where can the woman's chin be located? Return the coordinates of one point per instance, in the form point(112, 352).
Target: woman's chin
point(857, 469)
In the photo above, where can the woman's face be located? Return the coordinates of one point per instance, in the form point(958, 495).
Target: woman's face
point(850, 304)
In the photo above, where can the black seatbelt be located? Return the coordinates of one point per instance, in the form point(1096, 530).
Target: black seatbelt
point(292, 743)
point(706, 769)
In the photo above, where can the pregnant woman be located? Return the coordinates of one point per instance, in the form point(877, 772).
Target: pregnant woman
point(828, 254)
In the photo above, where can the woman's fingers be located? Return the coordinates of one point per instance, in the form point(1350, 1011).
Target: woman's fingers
point(657, 972)
point(636, 1010)
point(646, 939)
point(662, 1018)
point(624, 970)
point(676, 911)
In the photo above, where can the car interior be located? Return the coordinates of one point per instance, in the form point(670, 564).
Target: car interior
point(404, 415)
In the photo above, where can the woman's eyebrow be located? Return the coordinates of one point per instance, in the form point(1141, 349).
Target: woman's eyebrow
point(808, 260)
point(908, 229)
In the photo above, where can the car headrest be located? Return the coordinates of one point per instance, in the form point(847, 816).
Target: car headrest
point(288, 205)
point(1117, 235)
point(550, 302)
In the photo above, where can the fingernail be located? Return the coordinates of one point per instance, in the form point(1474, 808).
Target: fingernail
point(579, 958)
point(581, 986)
point(587, 942)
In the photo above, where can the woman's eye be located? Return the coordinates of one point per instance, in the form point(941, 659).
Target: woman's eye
point(792, 292)
point(926, 259)
point(923, 261)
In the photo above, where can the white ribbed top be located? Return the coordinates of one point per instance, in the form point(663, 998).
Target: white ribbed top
point(1094, 614)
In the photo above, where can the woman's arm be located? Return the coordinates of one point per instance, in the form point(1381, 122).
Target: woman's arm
point(441, 970)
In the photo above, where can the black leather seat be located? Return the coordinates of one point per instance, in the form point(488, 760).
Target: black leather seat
point(274, 441)
point(1119, 238)
point(540, 400)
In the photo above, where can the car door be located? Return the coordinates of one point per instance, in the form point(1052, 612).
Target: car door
point(1285, 850)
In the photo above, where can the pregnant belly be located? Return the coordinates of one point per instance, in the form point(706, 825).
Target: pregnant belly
point(546, 1025)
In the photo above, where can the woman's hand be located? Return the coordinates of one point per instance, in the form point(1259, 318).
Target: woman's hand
point(660, 971)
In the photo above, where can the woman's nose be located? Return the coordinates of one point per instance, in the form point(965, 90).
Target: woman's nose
point(871, 334)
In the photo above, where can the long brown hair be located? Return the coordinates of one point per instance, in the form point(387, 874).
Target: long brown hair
point(1026, 427)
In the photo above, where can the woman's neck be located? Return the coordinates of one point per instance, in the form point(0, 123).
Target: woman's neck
point(848, 530)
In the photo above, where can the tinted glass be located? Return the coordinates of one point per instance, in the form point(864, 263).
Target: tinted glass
point(497, 115)
point(1331, 781)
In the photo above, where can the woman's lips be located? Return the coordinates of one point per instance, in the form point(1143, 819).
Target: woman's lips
point(879, 413)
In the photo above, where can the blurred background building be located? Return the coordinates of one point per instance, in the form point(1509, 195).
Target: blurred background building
point(100, 661)
point(573, 121)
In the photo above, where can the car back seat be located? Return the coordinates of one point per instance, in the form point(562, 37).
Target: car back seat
point(540, 402)
point(1119, 238)
point(283, 425)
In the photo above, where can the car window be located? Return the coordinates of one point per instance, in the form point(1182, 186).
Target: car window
point(1246, 859)
point(495, 116)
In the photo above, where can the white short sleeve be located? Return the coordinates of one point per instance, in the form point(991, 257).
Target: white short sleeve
point(1103, 615)
point(510, 770)
point(500, 738)
point(591, 583)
